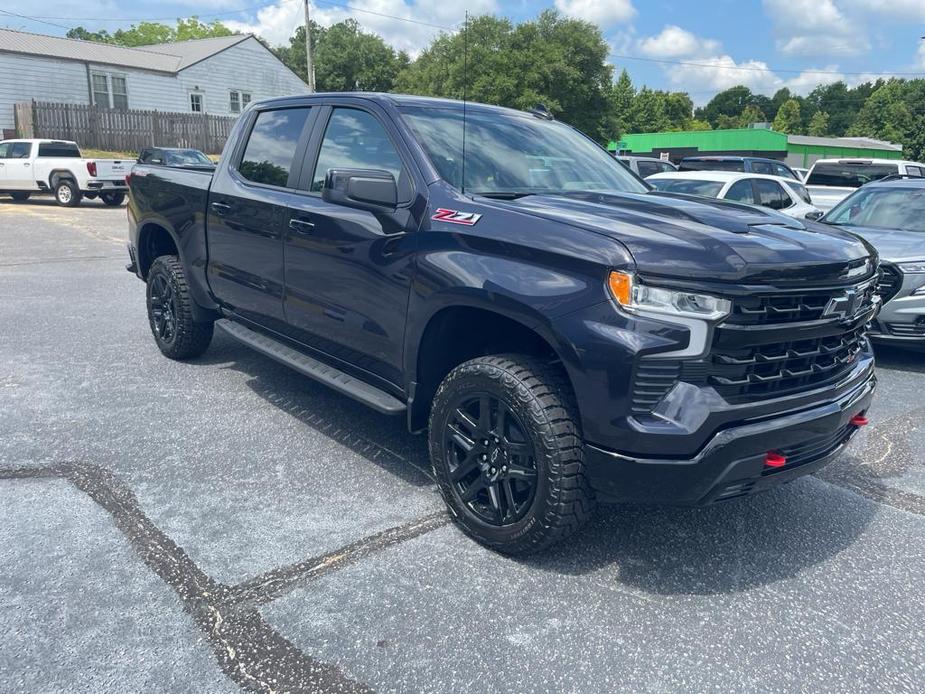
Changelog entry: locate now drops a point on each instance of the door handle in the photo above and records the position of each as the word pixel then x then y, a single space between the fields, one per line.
pixel 221 207
pixel 302 226
pixel 26 164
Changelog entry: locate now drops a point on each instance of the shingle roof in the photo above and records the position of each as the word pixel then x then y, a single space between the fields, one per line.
pixel 162 57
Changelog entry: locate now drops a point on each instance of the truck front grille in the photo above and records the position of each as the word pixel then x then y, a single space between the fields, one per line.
pixel 891 279
pixel 653 380
pixel 782 367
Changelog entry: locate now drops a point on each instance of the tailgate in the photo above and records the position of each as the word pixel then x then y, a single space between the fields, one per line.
pixel 112 169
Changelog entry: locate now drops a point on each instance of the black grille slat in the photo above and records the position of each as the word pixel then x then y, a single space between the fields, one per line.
pixel 653 380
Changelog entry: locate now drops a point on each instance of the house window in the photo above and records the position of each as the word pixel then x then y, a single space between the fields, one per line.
pixel 195 102
pixel 109 90
pixel 238 100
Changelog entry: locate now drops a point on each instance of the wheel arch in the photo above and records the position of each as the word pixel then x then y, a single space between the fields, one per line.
pixel 57 175
pixel 155 240
pixel 456 333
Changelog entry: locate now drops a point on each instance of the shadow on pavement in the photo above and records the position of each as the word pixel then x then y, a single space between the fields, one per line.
pixel 900 358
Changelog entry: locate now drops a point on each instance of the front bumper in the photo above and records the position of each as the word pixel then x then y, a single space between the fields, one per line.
pixel 732 463
pixel 901 319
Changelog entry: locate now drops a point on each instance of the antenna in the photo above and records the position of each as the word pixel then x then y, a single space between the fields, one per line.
pixel 465 97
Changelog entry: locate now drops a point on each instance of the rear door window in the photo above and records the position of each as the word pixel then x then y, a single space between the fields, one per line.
pixel 781 170
pixel 915 171
pixel 772 195
pixel 741 191
pixel 272 145
pixel 848 174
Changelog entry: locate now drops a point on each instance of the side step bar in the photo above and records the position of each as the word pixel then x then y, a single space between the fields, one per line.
pixel 330 376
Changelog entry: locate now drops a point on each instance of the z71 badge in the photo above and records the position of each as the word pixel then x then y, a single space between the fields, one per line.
pixel 456 217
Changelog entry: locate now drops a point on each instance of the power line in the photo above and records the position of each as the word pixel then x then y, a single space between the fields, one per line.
pixel 35 19
pixel 766 69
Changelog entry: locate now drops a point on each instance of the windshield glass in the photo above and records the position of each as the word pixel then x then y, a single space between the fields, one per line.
pixel 709 189
pixel 187 157
pixel 848 174
pixel 712 165
pixel 801 191
pixel 515 154
pixel 882 208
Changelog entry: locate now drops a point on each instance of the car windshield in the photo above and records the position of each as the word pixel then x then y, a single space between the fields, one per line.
pixel 708 189
pixel 510 154
pixel 849 174
pixel 188 157
pixel 712 165
pixel 882 208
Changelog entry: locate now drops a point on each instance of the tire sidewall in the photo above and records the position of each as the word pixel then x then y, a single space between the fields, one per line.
pixel 74 199
pixel 503 385
pixel 112 199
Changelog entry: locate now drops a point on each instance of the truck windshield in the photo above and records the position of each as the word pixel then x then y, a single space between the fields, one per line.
pixel 882 208
pixel 515 155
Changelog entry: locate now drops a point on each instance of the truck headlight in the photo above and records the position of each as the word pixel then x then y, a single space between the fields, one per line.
pixel 635 296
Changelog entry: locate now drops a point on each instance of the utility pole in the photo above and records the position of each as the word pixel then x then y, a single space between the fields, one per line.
pixel 309 63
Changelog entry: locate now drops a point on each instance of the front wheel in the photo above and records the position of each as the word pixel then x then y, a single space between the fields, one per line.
pixel 20 197
pixel 67 194
pixel 112 199
pixel 170 311
pixel 506 449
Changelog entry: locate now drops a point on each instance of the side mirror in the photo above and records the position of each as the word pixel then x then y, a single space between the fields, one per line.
pixel 815 215
pixel 365 189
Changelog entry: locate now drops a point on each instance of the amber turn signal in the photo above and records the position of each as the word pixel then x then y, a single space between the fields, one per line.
pixel 621 286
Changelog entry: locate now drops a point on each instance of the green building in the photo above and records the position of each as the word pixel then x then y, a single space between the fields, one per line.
pixel 795 150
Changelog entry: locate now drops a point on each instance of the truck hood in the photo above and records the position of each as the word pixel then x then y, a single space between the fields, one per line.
pixel 894 245
pixel 683 237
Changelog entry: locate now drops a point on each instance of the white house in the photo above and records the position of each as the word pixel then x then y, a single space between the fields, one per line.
pixel 218 76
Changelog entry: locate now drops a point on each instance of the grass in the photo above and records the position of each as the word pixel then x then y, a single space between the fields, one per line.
pixel 105 154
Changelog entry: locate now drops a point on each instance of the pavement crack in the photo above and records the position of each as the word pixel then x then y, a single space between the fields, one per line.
pixel 249 651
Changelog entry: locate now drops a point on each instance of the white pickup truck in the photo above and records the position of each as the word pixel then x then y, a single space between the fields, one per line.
pixel 30 167
pixel 830 181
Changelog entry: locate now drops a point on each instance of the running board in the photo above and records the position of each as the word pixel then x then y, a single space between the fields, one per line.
pixel 334 378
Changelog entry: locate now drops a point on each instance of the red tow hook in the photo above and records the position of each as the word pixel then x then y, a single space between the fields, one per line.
pixel 773 459
pixel 860 420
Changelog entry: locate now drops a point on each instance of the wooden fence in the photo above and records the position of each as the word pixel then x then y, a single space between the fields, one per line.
pixel 93 127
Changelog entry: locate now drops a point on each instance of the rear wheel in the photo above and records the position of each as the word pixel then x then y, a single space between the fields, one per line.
pixel 67 193
pixel 20 197
pixel 112 199
pixel 505 446
pixel 170 311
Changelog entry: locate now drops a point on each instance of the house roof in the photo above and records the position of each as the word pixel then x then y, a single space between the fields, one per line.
pixel 161 57
pixel 853 142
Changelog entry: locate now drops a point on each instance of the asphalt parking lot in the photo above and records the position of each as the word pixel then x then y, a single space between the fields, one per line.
pixel 225 523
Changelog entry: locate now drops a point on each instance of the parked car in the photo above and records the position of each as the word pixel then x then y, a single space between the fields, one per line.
pixel 768 167
pixel 832 180
pixel 781 194
pixel 646 166
pixel 890 214
pixel 30 167
pixel 563 334
pixel 175 156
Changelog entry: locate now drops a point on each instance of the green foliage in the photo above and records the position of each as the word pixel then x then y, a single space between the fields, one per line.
pixel 819 124
pixel 751 114
pixel 346 58
pixel 788 119
pixel 895 111
pixel 148 33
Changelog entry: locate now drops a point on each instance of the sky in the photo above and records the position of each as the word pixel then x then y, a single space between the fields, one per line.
pixel 697 46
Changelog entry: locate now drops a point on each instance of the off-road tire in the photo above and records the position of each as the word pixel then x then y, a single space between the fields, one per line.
pixel 67 194
pixel 539 395
pixel 20 197
pixel 112 199
pixel 190 338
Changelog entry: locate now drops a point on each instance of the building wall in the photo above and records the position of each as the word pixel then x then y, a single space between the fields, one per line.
pixel 246 67
pixel 740 140
pixel 805 155
pixel 24 78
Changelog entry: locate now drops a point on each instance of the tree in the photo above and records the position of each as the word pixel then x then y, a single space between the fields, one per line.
pixel 819 124
pixel 751 114
pixel 730 103
pixel 621 103
pixel 149 33
pixel 788 118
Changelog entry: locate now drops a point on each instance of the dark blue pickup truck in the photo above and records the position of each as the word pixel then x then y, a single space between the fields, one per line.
pixel 563 333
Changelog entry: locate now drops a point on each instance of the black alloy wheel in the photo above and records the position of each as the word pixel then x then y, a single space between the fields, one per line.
pixel 163 303
pixel 491 459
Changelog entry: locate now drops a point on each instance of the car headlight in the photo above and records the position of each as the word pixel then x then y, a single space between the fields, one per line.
pixel 912 268
pixel 635 296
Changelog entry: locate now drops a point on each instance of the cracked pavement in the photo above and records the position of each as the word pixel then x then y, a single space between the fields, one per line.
pixel 226 524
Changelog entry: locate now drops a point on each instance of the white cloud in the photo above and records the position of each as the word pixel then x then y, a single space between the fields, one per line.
pixel 277 23
pixel 604 13
pixel 815 27
pixel 675 42
pixel 894 9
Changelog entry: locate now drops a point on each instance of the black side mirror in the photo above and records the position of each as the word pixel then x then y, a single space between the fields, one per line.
pixel 365 189
pixel 814 216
